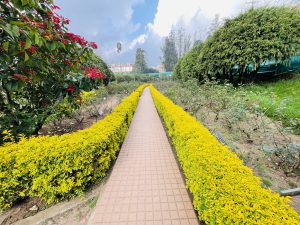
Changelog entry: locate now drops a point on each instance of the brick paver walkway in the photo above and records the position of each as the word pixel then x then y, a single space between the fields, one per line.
pixel 145 186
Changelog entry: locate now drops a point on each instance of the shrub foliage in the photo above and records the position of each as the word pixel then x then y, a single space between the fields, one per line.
pixel 188 67
pixel 57 167
pixel 237 50
pixel 224 190
pixel 41 63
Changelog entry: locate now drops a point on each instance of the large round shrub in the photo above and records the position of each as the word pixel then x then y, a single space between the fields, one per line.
pixel 187 67
pixel 243 44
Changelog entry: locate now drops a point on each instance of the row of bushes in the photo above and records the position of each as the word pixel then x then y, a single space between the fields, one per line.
pixel 131 77
pixel 57 167
pixel 224 190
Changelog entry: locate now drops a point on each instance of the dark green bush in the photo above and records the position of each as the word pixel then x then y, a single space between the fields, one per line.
pixel 187 67
pixel 237 50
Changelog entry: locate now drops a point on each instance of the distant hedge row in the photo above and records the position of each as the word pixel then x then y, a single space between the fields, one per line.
pixel 238 49
pixel 224 190
pixel 57 167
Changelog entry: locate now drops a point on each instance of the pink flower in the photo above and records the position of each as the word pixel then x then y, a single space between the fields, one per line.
pixel 56 7
pixel 67 21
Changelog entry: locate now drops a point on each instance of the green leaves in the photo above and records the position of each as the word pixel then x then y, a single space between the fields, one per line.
pixel 26 57
pixel 37 39
pixel 28 43
pixel 37 57
pixel 24 2
pixel 53 46
pixel 12 30
pixel 5 46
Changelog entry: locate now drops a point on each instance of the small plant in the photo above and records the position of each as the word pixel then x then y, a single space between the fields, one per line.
pixel 266 183
pixel 288 159
pixel 92 202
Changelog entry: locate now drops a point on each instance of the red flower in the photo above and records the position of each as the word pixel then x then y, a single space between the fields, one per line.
pixel 22 43
pixel 21 77
pixel 94 73
pixel 26 19
pixel 55 20
pixel 64 41
pixel 67 62
pixel 76 38
pixel 56 7
pixel 83 42
pixel 94 45
pixel 70 88
pixel 32 49
pixel 67 21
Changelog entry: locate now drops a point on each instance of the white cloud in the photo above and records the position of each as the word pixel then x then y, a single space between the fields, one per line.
pixel 138 41
pixel 171 12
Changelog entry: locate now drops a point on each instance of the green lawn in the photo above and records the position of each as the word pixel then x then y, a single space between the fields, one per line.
pixel 280 100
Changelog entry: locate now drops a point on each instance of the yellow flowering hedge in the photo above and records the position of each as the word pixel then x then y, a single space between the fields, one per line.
pixel 224 190
pixel 88 96
pixel 56 167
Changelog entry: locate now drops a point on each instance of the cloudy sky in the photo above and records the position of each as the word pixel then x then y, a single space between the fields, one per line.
pixel 144 23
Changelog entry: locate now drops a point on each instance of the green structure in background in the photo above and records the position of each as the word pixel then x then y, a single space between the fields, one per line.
pixel 275 68
pixel 163 74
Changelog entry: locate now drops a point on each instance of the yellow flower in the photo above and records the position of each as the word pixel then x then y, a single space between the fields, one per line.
pixel 224 190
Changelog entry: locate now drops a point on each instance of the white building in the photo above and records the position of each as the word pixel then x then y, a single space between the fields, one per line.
pixel 161 68
pixel 121 68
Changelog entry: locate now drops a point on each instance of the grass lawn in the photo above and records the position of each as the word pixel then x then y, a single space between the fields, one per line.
pixel 280 99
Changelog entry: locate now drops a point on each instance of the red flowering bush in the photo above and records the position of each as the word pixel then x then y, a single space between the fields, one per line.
pixel 94 73
pixel 41 62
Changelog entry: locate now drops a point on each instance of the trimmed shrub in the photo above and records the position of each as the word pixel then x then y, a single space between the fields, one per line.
pixel 224 190
pixel 57 167
pixel 187 67
pixel 237 50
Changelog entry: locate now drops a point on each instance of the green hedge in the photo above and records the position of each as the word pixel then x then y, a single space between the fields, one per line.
pixel 57 167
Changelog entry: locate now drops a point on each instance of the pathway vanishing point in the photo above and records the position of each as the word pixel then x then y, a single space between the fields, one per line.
pixel 145 186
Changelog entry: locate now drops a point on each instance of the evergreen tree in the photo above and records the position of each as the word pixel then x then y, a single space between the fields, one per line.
pixel 182 42
pixel 169 53
pixel 140 64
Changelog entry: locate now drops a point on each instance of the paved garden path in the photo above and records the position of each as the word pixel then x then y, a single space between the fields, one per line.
pixel 146 186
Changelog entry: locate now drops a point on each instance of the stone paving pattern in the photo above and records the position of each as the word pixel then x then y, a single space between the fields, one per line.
pixel 145 186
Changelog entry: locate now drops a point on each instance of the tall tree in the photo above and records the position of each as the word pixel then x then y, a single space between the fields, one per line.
pixel 140 64
pixel 169 53
pixel 215 24
pixel 180 34
pixel 182 41
pixel 187 43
